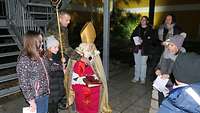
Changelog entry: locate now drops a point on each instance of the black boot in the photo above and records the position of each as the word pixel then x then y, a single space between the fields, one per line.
pixel 62 103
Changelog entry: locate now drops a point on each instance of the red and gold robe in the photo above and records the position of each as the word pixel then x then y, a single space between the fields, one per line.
pixel 86 98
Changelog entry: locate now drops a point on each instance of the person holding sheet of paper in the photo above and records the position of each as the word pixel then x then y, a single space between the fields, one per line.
pixel 165 65
pixel 185 96
pixel 142 38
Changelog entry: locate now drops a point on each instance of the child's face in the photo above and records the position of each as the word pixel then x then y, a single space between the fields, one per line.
pixel 54 49
pixel 172 48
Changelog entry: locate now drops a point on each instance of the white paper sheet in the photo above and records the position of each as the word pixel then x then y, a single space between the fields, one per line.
pixel 160 85
pixel 137 40
pixel 27 110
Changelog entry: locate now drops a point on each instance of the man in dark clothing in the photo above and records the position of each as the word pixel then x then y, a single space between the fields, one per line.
pixel 64 18
pixel 185 97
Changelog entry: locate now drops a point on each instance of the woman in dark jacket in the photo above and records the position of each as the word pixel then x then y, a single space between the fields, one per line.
pixel 142 38
pixel 56 74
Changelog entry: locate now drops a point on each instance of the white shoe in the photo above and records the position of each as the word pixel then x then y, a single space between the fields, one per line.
pixel 142 82
pixel 134 81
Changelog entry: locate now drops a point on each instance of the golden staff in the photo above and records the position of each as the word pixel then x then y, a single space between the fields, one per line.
pixel 56 3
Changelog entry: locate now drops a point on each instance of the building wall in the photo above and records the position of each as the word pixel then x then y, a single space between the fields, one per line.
pixel 187 13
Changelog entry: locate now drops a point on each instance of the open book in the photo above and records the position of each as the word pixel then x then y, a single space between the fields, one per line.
pixel 90 81
pixel 93 84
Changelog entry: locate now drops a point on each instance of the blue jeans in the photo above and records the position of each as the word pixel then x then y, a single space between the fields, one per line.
pixel 140 66
pixel 42 104
pixel 167 107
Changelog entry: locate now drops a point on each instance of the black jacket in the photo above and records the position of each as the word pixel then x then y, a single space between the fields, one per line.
pixel 56 80
pixel 147 35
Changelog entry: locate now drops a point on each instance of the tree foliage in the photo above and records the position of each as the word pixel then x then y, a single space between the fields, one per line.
pixel 123 23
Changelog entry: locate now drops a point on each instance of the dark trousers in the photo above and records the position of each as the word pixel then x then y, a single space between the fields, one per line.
pixel 160 97
pixel 53 107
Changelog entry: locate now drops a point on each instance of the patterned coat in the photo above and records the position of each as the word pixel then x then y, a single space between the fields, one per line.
pixel 33 79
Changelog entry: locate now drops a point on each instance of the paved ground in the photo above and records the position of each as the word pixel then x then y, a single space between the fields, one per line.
pixel 125 97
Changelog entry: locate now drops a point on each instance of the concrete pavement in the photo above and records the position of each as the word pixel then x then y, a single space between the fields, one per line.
pixel 124 96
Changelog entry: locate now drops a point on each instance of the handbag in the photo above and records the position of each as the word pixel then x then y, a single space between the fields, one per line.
pixel 27 110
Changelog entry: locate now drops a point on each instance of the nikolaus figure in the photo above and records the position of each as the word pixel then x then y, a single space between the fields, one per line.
pixel 88 67
pixel 86 97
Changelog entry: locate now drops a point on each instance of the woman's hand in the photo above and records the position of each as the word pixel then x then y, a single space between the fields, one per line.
pixel 32 105
pixel 158 72
pixel 165 76
pixel 64 70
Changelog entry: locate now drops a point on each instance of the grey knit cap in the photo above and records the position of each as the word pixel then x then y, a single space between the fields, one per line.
pixel 177 40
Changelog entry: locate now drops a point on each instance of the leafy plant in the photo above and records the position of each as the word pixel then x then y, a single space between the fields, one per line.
pixel 122 24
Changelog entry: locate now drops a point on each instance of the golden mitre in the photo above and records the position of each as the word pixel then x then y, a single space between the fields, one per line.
pixel 88 33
